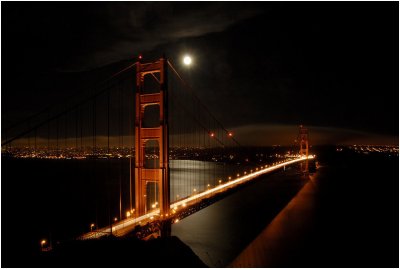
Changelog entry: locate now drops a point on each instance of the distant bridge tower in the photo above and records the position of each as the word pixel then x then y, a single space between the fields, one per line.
pixel 303 142
pixel 151 91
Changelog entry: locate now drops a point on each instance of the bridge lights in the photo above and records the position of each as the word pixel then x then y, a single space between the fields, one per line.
pixel 128 214
pixel 229 178
pixel 43 243
pixel 115 219
pixel 212 134
pixel 91 227
pixel 230 134
pixel 220 181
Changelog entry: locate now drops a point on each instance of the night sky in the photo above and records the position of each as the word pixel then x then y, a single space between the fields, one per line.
pixel 262 68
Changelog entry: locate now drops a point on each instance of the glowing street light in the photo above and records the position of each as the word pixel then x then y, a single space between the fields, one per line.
pixel 91 227
pixel 230 134
pixel 43 243
pixel 187 60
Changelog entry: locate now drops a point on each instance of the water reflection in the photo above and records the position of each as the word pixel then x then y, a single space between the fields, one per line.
pixel 190 175
pixel 288 229
pixel 218 233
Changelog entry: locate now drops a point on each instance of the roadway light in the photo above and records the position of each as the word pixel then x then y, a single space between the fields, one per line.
pixel 91 226
pixel 128 214
pixel 187 60
pixel 230 134
pixel 43 242
pixel 212 134
pixel 115 219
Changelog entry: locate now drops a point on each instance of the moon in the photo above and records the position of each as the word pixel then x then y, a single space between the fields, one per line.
pixel 187 60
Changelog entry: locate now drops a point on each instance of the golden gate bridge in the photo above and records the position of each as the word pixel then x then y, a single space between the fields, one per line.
pixel 176 156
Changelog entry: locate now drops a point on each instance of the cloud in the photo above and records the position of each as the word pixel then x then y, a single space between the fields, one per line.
pixel 270 134
pixel 128 28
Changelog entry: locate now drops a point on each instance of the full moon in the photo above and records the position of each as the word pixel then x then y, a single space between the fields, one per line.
pixel 187 60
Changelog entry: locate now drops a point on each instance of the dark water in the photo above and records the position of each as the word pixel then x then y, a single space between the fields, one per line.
pixel 57 200
pixel 219 232
pixel 354 224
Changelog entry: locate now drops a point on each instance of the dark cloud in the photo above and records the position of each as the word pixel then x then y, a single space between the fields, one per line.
pixel 258 63
pixel 270 134
pixel 103 33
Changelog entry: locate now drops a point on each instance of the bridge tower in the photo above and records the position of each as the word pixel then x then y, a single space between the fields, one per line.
pixel 156 73
pixel 303 142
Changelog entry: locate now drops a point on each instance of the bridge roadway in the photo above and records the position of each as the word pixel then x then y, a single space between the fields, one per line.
pixel 125 226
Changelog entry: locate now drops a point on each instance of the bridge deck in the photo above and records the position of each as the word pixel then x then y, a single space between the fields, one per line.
pixel 125 226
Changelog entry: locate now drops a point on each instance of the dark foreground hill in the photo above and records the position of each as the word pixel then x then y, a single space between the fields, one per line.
pixel 120 252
